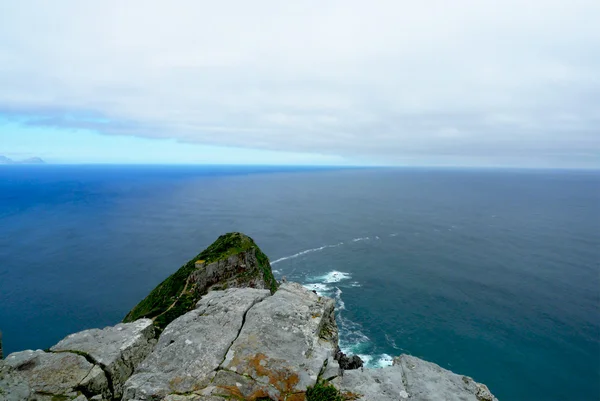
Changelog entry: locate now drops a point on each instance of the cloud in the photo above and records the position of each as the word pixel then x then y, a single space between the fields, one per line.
pixel 498 82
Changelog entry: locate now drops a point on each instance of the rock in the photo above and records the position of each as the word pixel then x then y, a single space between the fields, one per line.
pixel 374 384
pixel 193 346
pixel 1 345
pixel 13 386
pixel 428 381
pixel 411 379
pixel 284 343
pixel 233 260
pixel 348 363
pixel 117 350
pixel 54 374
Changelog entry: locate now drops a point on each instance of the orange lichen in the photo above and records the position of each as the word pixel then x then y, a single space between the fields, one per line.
pixel 283 379
pixel 234 391
pixel 350 396
pixel 296 397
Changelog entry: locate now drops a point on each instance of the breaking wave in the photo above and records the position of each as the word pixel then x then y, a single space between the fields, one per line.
pixel 352 339
pixel 305 252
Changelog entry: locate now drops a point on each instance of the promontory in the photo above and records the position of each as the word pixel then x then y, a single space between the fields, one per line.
pixel 222 328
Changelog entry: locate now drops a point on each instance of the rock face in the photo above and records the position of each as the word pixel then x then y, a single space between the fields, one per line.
pixel 233 260
pixel 85 364
pixel 283 345
pixel 40 375
pixel 220 343
pixel 118 350
pixel 411 379
pixel 192 347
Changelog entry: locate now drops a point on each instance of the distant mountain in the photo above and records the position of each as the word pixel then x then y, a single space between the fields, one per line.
pixel 31 160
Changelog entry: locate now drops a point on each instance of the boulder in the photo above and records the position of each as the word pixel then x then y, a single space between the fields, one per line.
pixel 117 350
pixel 52 375
pixel 193 346
pixel 348 362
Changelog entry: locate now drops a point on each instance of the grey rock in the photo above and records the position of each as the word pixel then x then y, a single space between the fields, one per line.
pixel 331 370
pixel 411 379
pixel 374 384
pixel 192 347
pixel 13 386
pixel 240 271
pixel 61 374
pixel 229 385
pixel 426 381
pixel 285 341
pixel 118 350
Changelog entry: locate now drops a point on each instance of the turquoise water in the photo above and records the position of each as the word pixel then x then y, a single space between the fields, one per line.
pixel 491 273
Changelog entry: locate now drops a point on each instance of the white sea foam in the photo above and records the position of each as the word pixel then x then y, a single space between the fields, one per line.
pixel 360 239
pixel 321 289
pixel 338 300
pixel 334 277
pixel 301 253
pixel 355 284
pixel 383 360
pixel 367 359
pixel 394 235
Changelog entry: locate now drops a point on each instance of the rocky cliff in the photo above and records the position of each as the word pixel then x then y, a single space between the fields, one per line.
pixel 228 334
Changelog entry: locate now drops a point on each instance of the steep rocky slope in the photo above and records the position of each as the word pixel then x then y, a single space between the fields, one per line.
pixel 233 260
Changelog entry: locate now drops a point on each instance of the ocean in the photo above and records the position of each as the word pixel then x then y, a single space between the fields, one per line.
pixel 494 274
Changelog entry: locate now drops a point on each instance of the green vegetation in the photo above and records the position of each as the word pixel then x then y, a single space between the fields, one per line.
pixel 323 391
pixel 169 301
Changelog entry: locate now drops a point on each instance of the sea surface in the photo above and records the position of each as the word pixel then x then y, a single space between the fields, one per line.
pixel 494 274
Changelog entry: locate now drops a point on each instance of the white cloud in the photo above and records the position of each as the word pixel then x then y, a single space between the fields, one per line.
pixel 382 80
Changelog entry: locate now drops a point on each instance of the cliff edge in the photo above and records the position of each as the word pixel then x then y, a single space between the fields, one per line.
pixel 228 334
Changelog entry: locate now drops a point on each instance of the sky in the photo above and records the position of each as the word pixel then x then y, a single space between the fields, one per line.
pixel 328 82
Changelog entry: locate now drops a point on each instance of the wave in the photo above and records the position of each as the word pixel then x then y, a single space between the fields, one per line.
pixel 305 252
pixel 321 289
pixel 333 277
pixel 302 253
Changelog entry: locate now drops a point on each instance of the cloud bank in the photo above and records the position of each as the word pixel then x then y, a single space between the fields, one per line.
pixel 397 82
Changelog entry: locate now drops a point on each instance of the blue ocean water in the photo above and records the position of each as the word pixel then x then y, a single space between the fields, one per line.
pixel 493 274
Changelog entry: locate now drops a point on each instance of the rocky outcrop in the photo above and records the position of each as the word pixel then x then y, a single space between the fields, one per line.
pixel 233 260
pixel 117 350
pixel 283 345
pixel 348 362
pixel 411 379
pixel 192 347
pixel 41 375
pixel 83 365
pixel 221 343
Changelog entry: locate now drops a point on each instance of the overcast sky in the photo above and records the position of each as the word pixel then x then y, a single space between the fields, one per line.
pixel 464 83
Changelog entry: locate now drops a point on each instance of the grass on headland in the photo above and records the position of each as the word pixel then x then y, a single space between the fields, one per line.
pixel 166 293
